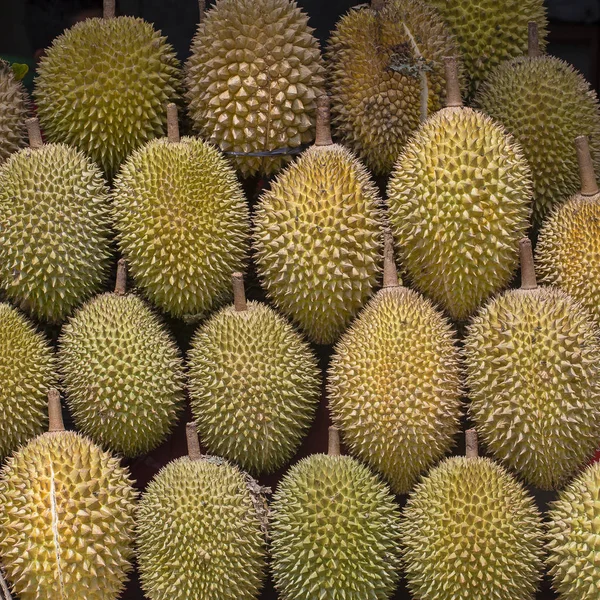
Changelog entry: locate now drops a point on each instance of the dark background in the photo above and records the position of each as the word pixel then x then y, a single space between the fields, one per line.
pixel 26 27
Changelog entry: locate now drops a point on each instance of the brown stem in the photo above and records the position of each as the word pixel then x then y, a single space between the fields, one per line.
pixel 533 44
pixel 377 4
pixel 334 441
pixel 34 133
pixel 109 9
pixel 239 294
pixel 390 273
pixel 193 443
pixel 472 444
pixel 121 282
pixel 202 9
pixel 453 97
pixel 172 123
pixel 54 412
pixel 589 186
pixel 528 280
pixel 323 135
pixel 4 587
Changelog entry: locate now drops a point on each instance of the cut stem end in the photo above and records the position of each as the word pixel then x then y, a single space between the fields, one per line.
pixel 533 40
pixel 121 282
pixel 55 420
pixel 528 279
pixel 453 96
pixel 201 9
pixel 193 443
pixel 172 123
pixel 323 133
pixel 377 4
pixel 471 443
pixel 390 273
pixel 589 185
pixel 109 9
pixel 239 293
pixel 34 133
pixel 334 442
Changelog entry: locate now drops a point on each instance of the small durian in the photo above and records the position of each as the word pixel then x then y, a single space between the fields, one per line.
pixel 182 222
pixel 201 530
pixel 66 517
pixel 54 239
pixel 14 107
pixel 532 360
pixel 121 371
pixel 254 384
pixel 470 531
pixel 394 383
pixel 102 86
pixel 334 530
pixel 318 237
pixel 545 103
pixel 459 201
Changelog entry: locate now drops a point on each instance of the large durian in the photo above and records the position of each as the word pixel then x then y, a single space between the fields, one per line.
pixel 394 383
pixel 254 384
pixel 201 527
pixel 103 84
pixel 182 222
pixel 318 237
pixel 460 193
pixel 533 371
pixel 54 239
pixel 386 73
pixel 252 78
pixel 122 372
pixel 334 531
pixel 13 112
pixel 66 517
pixel 545 103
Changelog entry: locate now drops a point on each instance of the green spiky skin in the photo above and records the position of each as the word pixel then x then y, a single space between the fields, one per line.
pixel 334 532
pixel 103 87
pixel 182 223
pixel 252 78
pixel 489 32
pixel 545 103
pixel 470 531
pixel 460 193
pixel 573 543
pixel 375 61
pixel 13 112
pixel 200 535
pixel 394 386
pixel 66 520
pixel 54 241
pixel 533 371
pixel 27 372
pixel 122 373
pixel 254 387
pixel 317 239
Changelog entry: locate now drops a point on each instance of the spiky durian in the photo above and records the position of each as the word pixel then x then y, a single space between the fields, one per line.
pixel 533 371
pixel 27 372
pixel 201 531
pixel 182 222
pixel 252 78
pixel 386 73
pixel 460 193
pixel 254 384
pixel 334 531
pixel 13 112
pixel 103 84
pixel 54 239
pixel 317 237
pixel 394 383
pixel 66 517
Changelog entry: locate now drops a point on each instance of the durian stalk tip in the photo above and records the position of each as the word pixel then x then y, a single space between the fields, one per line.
pixel 390 273
pixel 193 443
pixel 471 443
pixel 377 4
pixel 589 185
pixel 453 96
pixel 34 133
pixel 109 9
pixel 528 280
pixel 323 133
pixel 121 282
pixel 172 123
pixel 55 420
pixel 201 8
pixel 239 293
pixel 533 43
pixel 334 442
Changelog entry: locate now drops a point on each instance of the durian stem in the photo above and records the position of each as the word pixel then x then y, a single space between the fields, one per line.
pixel 323 134
pixel 528 280
pixel 239 293
pixel 54 412
pixel 453 96
pixel 334 442
pixel 202 9
pixel 121 282
pixel 34 133
pixel 589 186
pixel 390 273
pixel 109 9
pixel 377 4
pixel 193 443
pixel 471 444
pixel 172 123
pixel 4 587
pixel 533 45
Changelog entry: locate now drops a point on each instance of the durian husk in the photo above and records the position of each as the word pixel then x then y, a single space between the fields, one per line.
pixel 14 108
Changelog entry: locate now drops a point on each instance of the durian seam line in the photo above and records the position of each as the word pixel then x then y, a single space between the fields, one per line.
pixel 422 74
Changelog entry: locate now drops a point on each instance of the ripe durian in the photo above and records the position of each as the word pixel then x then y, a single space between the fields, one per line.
pixel 460 193
pixel 254 384
pixel 27 372
pixel 13 112
pixel 122 372
pixel 334 531
pixel 386 74
pixel 182 222
pixel 394 383
pixel 201 527
pixel 533 371
pixel 252 78
pixel 54 240
pixel 470 531
pixel 545 103
pixel 318 237
pixel 66 517
pixel 103 84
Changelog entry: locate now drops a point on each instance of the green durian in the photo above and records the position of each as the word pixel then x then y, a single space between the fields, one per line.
pixel 14 107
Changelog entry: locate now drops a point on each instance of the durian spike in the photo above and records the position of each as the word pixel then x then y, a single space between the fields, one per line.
pixel 390 273
pixel 528 280
pixel 239 293
pixel 172 123
pixel 201 9
pixel 193 443
pixel 471 443
pixel 589 185
pixel 334 442
pixel 109 9
pixel 121 282
pixel 533 45
pixel 377 4
pixel 323 135
pixel 453 96
pixel 55 420
pixel 5 590
pixel 34 133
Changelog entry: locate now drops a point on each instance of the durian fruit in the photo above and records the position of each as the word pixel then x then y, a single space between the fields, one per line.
pixel 460 194
pixel 201 531
pixel 394 383
pixel 545 103
pixel 13 112
pixel 182 222
pixel 103 84
pixel 252 78
pixel 318 237
pixel 573 545
pixel 532 361
pixel 334 531
pixel 254 384
pixel 122 372
pixel 386 73
pixel 27 372
pixel 54 239
pixel 66 517
pixel 470 531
